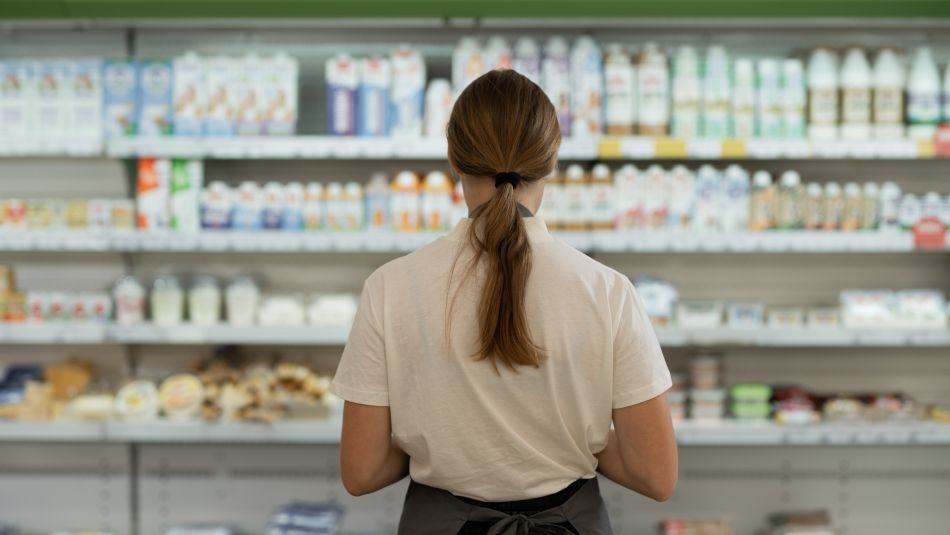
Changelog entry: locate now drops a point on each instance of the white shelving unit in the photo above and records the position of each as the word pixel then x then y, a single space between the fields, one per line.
pixel 393 242
pixel 726 433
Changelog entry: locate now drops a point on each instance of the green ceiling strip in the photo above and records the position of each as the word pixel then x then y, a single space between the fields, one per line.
pixel 243 9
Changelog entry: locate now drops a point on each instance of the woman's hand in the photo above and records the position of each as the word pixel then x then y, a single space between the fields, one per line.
pixel 641 450
pixel 369 461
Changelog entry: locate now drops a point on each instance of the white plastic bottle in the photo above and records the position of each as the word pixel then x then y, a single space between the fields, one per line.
pixel 932 205
pixel 686 93
pixel 602 198
pixel 627 189
pixel 853 212
pixel 438 108
pixel 620 88
pixel 923 95
pixel 872 206
pixel 353 206
pixel 377 202
pixel 790 201
pixel 587 97
pixel 794 98
pixel 656 204
pixel 762 205
pixel 526 59
pixel 888 97
pixel 834 206
pixel 682 198
pixel 556 80
pixel 855 95
pixel 708 199
pixel 822 95
pixel 813 215
pixel 436 201
pixel 653 92
pixel 743 99
pixel 768 104
pixel 910 211
pixel 467 63
pixel 735 208
pixel 497 53
pixel 717 88
pixel 890 207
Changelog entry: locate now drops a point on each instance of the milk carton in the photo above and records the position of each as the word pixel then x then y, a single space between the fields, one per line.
pixel 653 92
pixel 556 81
pixel 186 184
pixel 247 107
pixel 189 94
pixel 404 202
pixel 15 104
pixel 717 88
pixel 155 98
pixel 438 108
pixel 292 216
pixel 377 202
pixel 497 53
pixel 409 83
pixel 436 201
pixel 314 206
pixel 353 214
pixel 217 203
pixel 686 93
pixel 708 199
pixel 527 59
pixel 682 198
pixel 587 72
pixel 152 200
pixel 629 204
pixel 656 201
pixel 119 100
pixel 734 216
pixel 602 198
pixel 373 105
pixel 248 207
pixel 336 207
pixel 273 205
pixel 621 97
pixel 50 105
pixel 277 90
pixel 220 75
pixel 467 63
pixel 342 83
pixel 85 109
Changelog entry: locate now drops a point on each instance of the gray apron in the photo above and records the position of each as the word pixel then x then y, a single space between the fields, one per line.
pixel 432 511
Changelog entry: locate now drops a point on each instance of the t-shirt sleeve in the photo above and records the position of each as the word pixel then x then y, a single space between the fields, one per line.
pixel 361 376
pixel 640 371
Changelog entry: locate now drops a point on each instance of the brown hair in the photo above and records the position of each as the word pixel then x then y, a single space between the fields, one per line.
pixel 503 123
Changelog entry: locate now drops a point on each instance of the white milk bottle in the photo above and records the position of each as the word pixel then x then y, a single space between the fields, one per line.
pixel 872 206
pixel 576 203
pixel 909 211
pixel 656 204
pixel 932 205
pixel 527 59
pixel 888 97
pixel 890 207
pixel 497 53
pixel 708 199
pixel 438 108
pixel 404 202
pixel 436 201
pixel 762 206
pixel 587 72
pixel 467 63
pixel 736 199
pixel 627 186
pixel 682 198
pixel 813 215
pixel 602 197
pixel 768 104
pixel 923 95
pixel 794 98
pixel 686 93
pixel 855 95
pixel 407 93
pixel 620 84
pixel 653 92
pixel 717 88
pixel 335 206
pixel 377 202
pixel 743 99
pixel 556 80
pixel 822 95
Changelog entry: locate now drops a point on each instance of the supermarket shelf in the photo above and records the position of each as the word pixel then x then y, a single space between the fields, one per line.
pixel 606 148
pixel 393 242
pixel 94 333
pixel 328 432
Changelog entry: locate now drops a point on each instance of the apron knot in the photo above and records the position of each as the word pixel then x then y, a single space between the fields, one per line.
pixel 519 524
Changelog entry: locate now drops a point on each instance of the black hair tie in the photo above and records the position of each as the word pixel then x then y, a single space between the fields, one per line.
pixel 508 178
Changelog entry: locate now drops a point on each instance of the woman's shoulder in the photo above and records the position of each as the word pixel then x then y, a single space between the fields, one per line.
pixel 562 257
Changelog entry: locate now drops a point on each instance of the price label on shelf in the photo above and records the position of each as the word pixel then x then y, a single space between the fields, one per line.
pixel 734 149
pixel 669 148
pixel 609 148
pixel 926 149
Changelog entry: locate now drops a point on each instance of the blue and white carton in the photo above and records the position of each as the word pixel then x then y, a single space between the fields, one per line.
pixel 119 98
pixel 375 80
pixel 155 98
pixel 189 95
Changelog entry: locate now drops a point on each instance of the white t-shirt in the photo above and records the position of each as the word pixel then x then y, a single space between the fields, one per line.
pixel 511 436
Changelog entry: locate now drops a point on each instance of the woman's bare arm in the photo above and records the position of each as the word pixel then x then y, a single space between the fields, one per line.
pixel 369 461
pixel 641 451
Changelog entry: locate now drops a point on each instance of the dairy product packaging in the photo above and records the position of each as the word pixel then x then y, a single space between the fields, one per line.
pixel 436 201
pixel 119 99
pixel 890 199
pixel 408 93
pixel 587 74
pixel 342 83
pixel 575 205
pixel 277 91
pixel 438 107
pixel 708 195
pixel 855 95
pixel 872 206
pixel 497 53
pixel 353 206
pixel 789 213
pixel 813 213
pixel 335 206
pixel 247 100
pixel 833 206
pixel 467 63
pixel 377 202
pixel 152 193
pixel 190 96
pixel 292 214
pixel 375 77
pixel 620 91
pixel 602 198
pixel 923 95
pixel 686 93
pixel 273 205
pixel 85 121
pixel 653 92
pixel 404 202
pixel 217 202
pixel 853 214
pixel 628 191
pixel 735 201
pixel 793 99
pixel 16 102
pixel 657 197
pixel 248 211
pixel 526 59
pixel 743 99
pixel 186 183
pixel 220 74
pixel 556 81
pixel 887 108
pixel 50 105
pixel 155 92
pixel 822 95
pixel 768 104
pixel 682 198
pixel 946 94
pixel 314 206
pixel 717 89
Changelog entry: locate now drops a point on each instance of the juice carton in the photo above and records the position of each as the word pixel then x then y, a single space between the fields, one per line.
pixel 404 202
pixel 189 95
pixel 220 74
pixel 277 90
pixel 409 84
pixel 152 199
pixel 187 181
pixel 373 105
pixel 436 201
pixel 342 82
pixel 602 198
pixel 119 98
pixel 653 92
pixel 336 209
pixel 155 98
pixel 16 103
pixel 627 184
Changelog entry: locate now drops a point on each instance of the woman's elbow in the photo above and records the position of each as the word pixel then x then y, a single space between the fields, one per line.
pixel 661 489
pixel 357 484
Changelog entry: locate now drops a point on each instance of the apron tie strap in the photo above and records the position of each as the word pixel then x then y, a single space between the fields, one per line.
pixel 526 525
